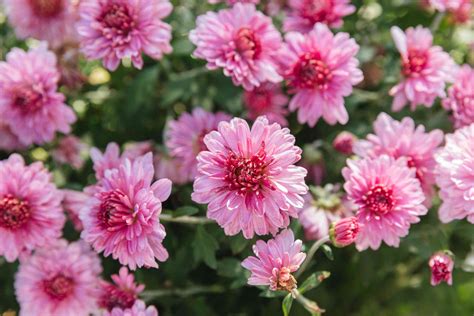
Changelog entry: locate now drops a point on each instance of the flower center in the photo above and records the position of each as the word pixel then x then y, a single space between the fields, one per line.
pixel 379 200
pixel 310 72
pixel 46 8
pixel 247 44
pixel 440 270
pixel 59 287
pixel 415 63
pixel 13 212
pixel 282 280
pixel 316 10
pixel 27 99
pixel 116 297
pixel 113 211
pixel 116 18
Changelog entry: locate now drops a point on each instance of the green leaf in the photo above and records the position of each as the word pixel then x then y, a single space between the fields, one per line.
pixel 271 294
pixel 327 251
pixel 205 246
pixel 229 267
pixel 185 211
pixel 238 244
pixel 313 281
pixel 286 304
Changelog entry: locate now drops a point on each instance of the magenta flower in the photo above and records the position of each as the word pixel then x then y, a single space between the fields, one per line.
pixel 344 232
pixel 184 137
pixel 404 139
pixel 275 261
pixel 320 69
pixel 441 265
pixel 29 102
pixel 138 309
pixel 62 279
pixel 344 143
pixel 49 20
pixel 8 140
pixel 111 30
pixel 123 293
pixel 167 167
pixel 73 202
pixel 122 215
pixel 245 46
pixel 110 159
pixel 305 14
pixel 248 177
pixel 30 207
pixel 454 176
pixel 460 99
pixel 268 100
pixel 389 198
pixel 425 68
pixel 70 151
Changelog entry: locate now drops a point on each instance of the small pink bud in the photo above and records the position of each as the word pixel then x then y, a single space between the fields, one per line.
pixel 441 264
pixel 344 232
pixel 344 142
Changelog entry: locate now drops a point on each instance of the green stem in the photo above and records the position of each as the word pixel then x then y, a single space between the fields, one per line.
pixel 185 219
pixel 310 255
pixel 437 22
pixel 309 305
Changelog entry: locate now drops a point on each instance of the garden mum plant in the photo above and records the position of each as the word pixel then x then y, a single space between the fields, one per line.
pixel 258 157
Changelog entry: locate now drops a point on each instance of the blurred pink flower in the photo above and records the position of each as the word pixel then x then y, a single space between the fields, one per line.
pixel 30 207
pixel 232 2
pixel 441 265
pixel 248 177
pixel 8 140
pixel 426 69
pixel 403 139
pixel 460 10
pixel 344 143
pixel 268 100
pixel 344 232
pixel 71 151
pixel 122 293
pixel 245 46
pixel 455 177
pixel 184 137
pixel 49 20
pixel 460 99
pixel 167 167
pixel 138 309
pixel 122 216
pixel 275 262
pixel 59 280
pixel 304 14
pixel 111 30
pixel 73 202
pixel 110 159
pixel 134 150
pixel 274 7
pixel 389 198
pixel 320 69
pixel 29 102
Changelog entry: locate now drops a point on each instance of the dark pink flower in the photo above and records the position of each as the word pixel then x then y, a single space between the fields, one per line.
pixel 344 232
pixel 441 264
pixel 460 99
pixel 268 100
pixel 344 142
pixel 122 293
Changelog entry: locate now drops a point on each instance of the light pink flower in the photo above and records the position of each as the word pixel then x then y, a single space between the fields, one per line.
pixel 59 280
pixel 425 69
pixel 73 202
pixel 138 309
pixel 122 293
pixel 245 46
pixel 460 10
pixel 122 216
pixel 248 177
pixel 344 143
pixel 30 207
pixel 389 198
pixel 455 176
pixel 49 20
pixel 275 262
pixel 460 99
pixel 71 151
pixel 441 265
pixel 304 14
pixel 443 5
pixel 8 140
pixel 344 232
pixel 268 100
pixel 404 139
pixel 110 159
pixel 232 2
pixel 320 69
pixel 167 167
pixel 29 101
pixel 274 7
pixel 184 137
pixel 134 150
pixel 111 30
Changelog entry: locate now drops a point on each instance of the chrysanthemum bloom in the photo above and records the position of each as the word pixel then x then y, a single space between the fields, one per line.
pixel 404 139
pixel 275 262
pixel 122 293
pixel 268 100
pixel 49 20
pixel 30 207
pixel 388 196
pixel 248 177
pixel 320 69
pixel 167 167
pixel 29 101
pixel 59 280
pixel 460 99
pixel 425 69
pixel 275 7
pixel 245 47
pixel 8 140
pixel 344 232
pixel 184 137
pixel 108 160
pixel 121 218
pixel 134 150
pixel 441 265
pixel 304 14
pixel 111 30
pixel 70 151
pixel 138 309
pixel 73 202
pixel 232 2
pixel 460 10
pixel 455 162
pixel 69 67
pixel 344 142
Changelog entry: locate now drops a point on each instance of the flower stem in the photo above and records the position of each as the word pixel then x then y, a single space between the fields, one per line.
pixel 436 22
pixel 309 305
pixel 310 254
pixel 185 219
pixel 149 295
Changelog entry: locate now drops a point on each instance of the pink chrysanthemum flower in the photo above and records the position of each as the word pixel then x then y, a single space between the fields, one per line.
pixel 111 30
pixel 184 137
pixel 388 196
pixel 454 176
pixel 304 14
pixel 248 177
pixel 404 139
pixel 30 207
pixel 134 150
pixel 460 10
pixel 121 217
pixel 29 101
pixel 460 99
pixel 110 159
pixel 268 100
pixel 73 202
pixel 49 20
pixel 232 2
pixel 425 68
pixel 344 232
pixel 320 69
pixel 275 262
pixel 245 47
pixel 274 7
pixel 138 309
pixel 59 280
pixel 344 143
pixel 122 293
pixel 8 140
pixel 441 265
pixel 167 167
pixel 71 151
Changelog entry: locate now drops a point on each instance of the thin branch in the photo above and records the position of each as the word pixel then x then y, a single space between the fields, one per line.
pixel 437 22
pixel 309 305
pixel 193 220
pixel 310 255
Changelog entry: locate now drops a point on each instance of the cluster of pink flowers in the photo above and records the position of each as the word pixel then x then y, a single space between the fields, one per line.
pixel 460 10
pixel 460 99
